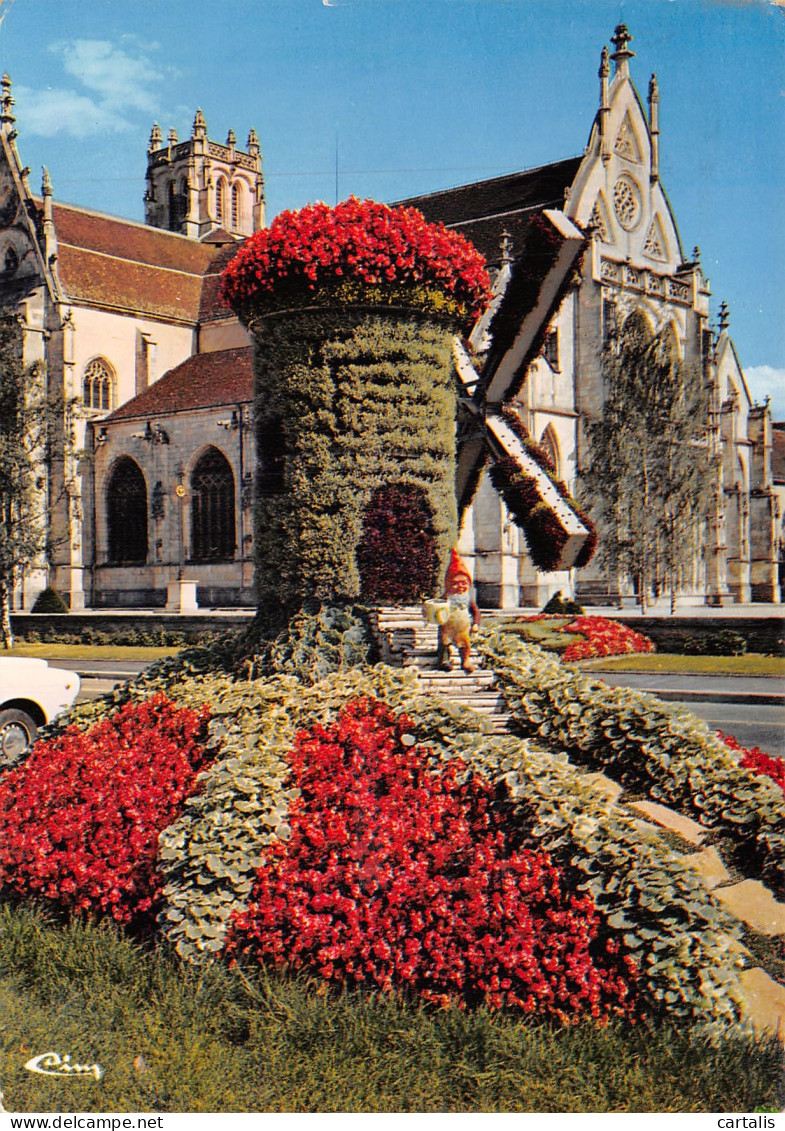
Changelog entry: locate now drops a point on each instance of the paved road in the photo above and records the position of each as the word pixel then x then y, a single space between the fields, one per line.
pixel 752 709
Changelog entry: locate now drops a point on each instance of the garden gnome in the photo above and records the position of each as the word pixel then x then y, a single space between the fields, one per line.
pixel 463 618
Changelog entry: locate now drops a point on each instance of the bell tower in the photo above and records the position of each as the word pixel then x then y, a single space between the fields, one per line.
pixel 197 186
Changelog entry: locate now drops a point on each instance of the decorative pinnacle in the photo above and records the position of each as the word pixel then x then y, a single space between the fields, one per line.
pixel 46 184
pixel 654 90
pixel 253 142
pixel 171 137
pixel 621 56
pixel 231 139
pixel 724 316
pixel 696 255
pixel 505 244
pixel 605 69
pixel 156 138
pixel 6 101
pixel 200 125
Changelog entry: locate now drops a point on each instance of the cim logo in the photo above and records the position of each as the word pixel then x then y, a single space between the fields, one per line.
pixel 52 1064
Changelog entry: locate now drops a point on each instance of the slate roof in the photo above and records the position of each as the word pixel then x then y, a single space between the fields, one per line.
pixel 121 265
pixel 483 210
pixel 206 380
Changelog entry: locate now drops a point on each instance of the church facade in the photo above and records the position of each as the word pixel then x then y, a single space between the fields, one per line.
pixel 125 317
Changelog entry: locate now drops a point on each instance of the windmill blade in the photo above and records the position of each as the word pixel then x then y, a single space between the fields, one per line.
pixel 502 441
pixel 508 366
pixel 482 432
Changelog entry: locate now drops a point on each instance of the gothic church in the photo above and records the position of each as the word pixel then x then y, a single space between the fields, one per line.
pixel 125 316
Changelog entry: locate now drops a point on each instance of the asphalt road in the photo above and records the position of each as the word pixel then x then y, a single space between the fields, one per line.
pixel 732 705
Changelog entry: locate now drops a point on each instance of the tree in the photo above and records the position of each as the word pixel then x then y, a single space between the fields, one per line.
pixel 35 442
pixel 649 470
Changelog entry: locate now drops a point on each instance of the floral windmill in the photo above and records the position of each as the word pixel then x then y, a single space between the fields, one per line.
pixel 355 311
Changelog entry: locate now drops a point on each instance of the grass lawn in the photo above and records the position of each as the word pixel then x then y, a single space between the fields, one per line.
pixel 90 652
pixel 175 1040
pixel 753 664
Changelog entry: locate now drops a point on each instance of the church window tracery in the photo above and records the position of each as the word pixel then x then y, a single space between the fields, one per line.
pixel 212 508
pixel 599 223
pixel 654 246
pixel 126 512
pixel 626 141
pixel 98 386
pixel 237 208
pixel 220 201
pixel 627 202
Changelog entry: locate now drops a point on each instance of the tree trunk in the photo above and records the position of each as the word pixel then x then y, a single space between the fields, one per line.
pixel 5 615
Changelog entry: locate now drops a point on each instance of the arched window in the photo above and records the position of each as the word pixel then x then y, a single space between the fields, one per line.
pixel 10 262
pixel 97 385
pixel 126 514
pixel 237 208
pixel 174 219
pixel 220 201
pixel 212 508
pixel 550 445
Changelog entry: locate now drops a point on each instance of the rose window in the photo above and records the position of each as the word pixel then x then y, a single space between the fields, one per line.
pixel 627 202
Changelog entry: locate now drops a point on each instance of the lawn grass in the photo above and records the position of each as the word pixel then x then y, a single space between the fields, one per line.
pixel 91 652
pixel 219 1040
pixel 752 664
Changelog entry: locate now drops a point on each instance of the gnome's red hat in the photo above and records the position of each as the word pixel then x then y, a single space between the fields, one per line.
pixel 455 569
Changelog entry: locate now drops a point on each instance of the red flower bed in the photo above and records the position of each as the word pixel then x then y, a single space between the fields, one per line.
pixel 754 759
pixel 357 241
pixel 79 820
pixel 400 878
pixel 603 638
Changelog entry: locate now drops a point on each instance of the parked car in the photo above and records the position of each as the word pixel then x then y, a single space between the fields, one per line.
pixel 31 694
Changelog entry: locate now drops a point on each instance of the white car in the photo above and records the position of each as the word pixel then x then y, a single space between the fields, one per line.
pixel 31 694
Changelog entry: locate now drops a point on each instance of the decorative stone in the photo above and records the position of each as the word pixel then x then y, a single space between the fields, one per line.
pixel 752 902
pixel 181 596
pixel 764 1001
pixel 712 870
pixel 689 830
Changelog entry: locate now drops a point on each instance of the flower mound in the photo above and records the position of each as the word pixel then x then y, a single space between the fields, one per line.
pixel 400 878
pixel 756 760
pixel 603 638
pixel 79 820
pixel 356 242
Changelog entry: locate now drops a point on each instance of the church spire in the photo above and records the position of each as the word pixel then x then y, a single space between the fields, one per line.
pixel 622 55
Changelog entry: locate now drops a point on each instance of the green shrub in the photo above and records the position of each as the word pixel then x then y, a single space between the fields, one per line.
pixel 646 745
pixel 561 606
pixel 49 601
pixel 723 643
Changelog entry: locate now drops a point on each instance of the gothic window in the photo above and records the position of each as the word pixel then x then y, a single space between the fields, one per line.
pixel 237 208
pixel 220 201
pixel 599 223
pixel 609 321
pixel 97 386
pixel 550 445
pixel 10 262
pixel 626 142
pixel 126 513
pixel 212 508
pixel 551 350
pixel 654 246
pixel 627 202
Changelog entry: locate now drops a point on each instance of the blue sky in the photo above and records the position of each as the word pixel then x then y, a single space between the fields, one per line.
pixel 409 96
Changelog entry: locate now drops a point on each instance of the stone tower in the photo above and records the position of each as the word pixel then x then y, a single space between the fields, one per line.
pixel 197 186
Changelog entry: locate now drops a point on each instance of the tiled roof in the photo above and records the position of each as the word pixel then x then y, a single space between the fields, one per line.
pixel 206 380
pixel 119 264
pixel 210 306
pixel 484 209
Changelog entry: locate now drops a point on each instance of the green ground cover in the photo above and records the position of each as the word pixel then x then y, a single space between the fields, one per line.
pixel 218 1040
pixel 748 665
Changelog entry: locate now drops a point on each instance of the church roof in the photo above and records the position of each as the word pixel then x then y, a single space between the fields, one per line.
pixel 121 265
pixel 206 380
pixel 483 210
